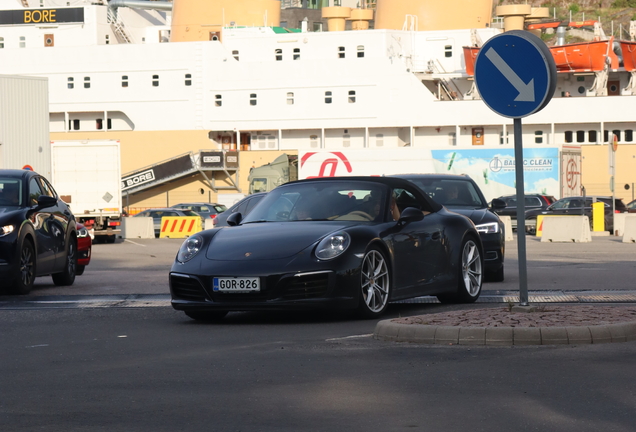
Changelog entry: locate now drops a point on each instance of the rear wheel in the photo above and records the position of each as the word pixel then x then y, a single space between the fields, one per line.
pixel 67 276
pixel 23 282
pixel 206 315
pixel 470 276
pixel 375 284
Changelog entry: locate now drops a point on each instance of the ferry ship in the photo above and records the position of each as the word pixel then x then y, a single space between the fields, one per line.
pixel 200 91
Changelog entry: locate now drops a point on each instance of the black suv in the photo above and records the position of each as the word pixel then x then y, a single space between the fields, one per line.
pixel 460 194
pixel 531 202
pixel 572 206
pixel 38 235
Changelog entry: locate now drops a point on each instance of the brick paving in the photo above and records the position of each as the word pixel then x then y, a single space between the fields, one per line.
pixel 545 316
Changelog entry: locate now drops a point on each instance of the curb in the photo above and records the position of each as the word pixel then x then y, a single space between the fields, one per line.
pixel 388 330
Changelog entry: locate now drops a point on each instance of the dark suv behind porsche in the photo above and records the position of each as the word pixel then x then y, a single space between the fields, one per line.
pixel 531 202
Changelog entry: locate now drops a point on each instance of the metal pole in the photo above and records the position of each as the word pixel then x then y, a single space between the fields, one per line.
pixel 521 215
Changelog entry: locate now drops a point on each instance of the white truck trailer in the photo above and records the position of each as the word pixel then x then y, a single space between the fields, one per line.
pixel 87 175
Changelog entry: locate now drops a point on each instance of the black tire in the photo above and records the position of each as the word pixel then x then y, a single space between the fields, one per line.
pixel 375 284
pixel 206 315
pixel 469 275
pixel 25 277
pixel 67 276
pixel 79 270
pixel 496 276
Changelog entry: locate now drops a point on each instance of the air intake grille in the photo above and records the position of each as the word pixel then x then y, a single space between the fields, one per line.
pixel 186 288
pixel 304 287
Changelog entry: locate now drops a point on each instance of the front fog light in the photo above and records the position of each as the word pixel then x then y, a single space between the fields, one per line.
pixel 189 249
pixel 332 246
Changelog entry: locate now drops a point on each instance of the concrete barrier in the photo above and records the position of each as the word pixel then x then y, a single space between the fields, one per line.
pixel 619 222
pixel 209 224
pixel 179 226
pixel 629 235
pixel 507 220
pixel 566 229
pixel 137 227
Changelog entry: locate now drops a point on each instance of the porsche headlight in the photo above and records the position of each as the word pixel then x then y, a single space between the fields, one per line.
pixel 189 248
pixel 82 232
pixel 7 229
pixel 488 228
pixel 333 246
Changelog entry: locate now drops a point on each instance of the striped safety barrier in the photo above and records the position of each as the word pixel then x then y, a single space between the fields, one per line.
pixel 179 226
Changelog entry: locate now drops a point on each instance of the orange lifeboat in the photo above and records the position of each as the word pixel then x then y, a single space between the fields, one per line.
pixel 470 55
pixel 629 55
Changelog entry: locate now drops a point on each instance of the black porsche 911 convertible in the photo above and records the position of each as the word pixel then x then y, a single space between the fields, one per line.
pixel 338 242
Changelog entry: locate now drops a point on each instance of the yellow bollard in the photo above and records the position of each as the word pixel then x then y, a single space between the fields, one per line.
pixel 598 216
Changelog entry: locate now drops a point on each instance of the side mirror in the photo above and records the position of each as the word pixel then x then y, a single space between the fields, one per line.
pixel 497 204
pixel 234 219
pixel 411 214
pixel 45 201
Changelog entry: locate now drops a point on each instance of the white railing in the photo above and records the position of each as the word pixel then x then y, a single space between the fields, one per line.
pixel 118 26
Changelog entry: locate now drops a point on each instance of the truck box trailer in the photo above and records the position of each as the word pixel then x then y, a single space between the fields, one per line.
pixel 87 175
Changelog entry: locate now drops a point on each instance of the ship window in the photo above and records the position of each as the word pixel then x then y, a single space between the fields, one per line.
pixel 581 90
pixel 313 141
pixel 218 100
pixel 188 79
pixel 360 51
pixel 629 135
pixel 87 82
pixel 327 97
pixel 99 124
pixel 352 96
pixel 296 53
pixel 70 83
pixel 379 140
pixel 279 54
pixel 22 42
pixel 271 142
pixel 74 124
pixel 618 135
pixel 253 99
pixel 109 124
pixel 346 140
pixel 580 136
pixel 1 42
pixel 606 136
pixel 448 51
pixel 235 53
pixel 341 52
pixel 317 26
pixel 124 80
pixel 452 138
pixel 538 137
pixel 290 98
pixel 568 136
pixel 501 138
pixel 107 40
pixel 591 136
pixel 155 80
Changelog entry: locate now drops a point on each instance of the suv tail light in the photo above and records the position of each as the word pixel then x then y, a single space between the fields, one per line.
pixel 213 216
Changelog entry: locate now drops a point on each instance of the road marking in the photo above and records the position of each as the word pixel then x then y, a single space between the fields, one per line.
pixel 138 244
pixel 350 337
pixel 526 91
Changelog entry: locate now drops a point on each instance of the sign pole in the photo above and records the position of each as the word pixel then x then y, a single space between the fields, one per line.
pixel 521 214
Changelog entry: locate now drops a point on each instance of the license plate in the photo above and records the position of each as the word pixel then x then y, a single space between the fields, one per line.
pixel 236 284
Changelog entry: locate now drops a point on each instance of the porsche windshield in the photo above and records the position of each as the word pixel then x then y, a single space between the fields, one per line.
pixel 321 200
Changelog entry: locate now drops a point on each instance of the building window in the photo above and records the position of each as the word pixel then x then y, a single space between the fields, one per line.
pixel 109 124
pixel 279 54
pixel 1 42
pixel 218 100
pixel 290 98
pixel 538 137
pixel 452 138
pixel 253 99
pixel 124 80
pixel 352 96
pixel 188 79
pixel 235 54
pixel 341 52
pixel 317 26
pixel 569 136
pixel 70 84
pixel 346 140
pixel 22 42
pixel 313 141
pixel 107 40
pixel 73 124
pixel 360 51
pixel 87 82
pixel 629 135
pixel 618 135
pixel 606 137
pixel 504 140
pixel 155 80
pixel 99 124
pixel 591 136
pixel 296 53
pixel 580 136
pixel 448 51
pixel 327 97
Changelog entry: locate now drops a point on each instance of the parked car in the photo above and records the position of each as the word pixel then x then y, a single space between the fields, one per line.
pixel 157 213
pixel 575 206
pixel 531 202
pixel 330 243
pixel 84 247
pixel 38 235
pixel 205 210
pixel 462 195
pixel 631 206
pixel 244 207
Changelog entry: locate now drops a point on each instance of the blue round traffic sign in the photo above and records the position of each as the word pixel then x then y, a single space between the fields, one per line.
pixel 515 74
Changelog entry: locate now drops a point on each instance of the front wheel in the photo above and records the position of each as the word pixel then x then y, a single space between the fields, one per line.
pixel 67 275
pixel 469 276
pixel 23 283
pixel 375 284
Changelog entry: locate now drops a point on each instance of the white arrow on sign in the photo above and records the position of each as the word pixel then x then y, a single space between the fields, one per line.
pixel 526 91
